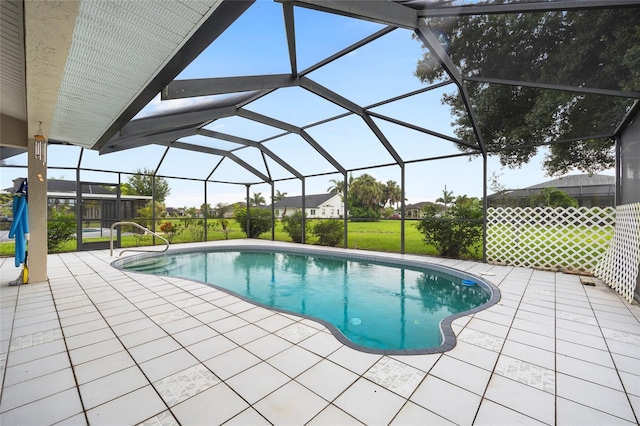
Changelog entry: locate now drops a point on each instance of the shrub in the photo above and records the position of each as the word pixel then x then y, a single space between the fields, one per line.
pixel 196 230
pixel 260 221
pixel 363 214
pixel 448 232
pixel 292 225
pixel 170 230
pixel 329 232
pixel 60 228
pixel 224 225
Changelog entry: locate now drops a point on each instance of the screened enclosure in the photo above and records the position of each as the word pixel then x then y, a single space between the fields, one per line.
pixel 290 95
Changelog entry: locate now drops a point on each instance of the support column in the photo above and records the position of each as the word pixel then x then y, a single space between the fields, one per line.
pixel 37 245
pixel 304 211
pixel 485 206
pixel 345 209
pixel 248 214
pixel 273 216
pixel 402 208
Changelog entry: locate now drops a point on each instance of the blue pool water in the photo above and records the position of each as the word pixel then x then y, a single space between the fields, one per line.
pixel 374 305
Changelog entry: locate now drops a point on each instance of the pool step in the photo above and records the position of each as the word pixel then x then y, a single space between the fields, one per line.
pixel 153 264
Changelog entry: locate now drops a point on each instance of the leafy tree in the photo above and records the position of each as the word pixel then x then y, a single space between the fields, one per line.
pixel 205 208
pixel 140 183
pixel 292 225
pixel 553 197
pixel 220 209
pixel 446 199
pixel 145 214
pixel 257 200
pixel 259 223
pixel 591 48
pixel 387 212
pixel 61 228
pixel 278 196
pixel 453 233
pixel 329 232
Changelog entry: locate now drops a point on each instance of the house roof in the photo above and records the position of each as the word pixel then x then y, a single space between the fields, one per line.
pixel 576 180
pixel 60 185
pixel 310 201
pixel 419 205
pixel 580 185
pixel 67 188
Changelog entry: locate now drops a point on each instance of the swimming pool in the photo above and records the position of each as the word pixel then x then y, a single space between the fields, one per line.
pixel 369 302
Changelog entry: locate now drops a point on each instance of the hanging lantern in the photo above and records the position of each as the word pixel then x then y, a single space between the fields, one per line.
pixel 40 151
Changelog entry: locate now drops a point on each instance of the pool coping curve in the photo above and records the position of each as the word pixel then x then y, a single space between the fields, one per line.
pixel 446 330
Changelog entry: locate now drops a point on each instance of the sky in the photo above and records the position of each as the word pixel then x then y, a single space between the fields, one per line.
pixel 256 44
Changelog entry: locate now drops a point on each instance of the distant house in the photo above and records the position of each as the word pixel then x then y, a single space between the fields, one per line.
pixel 229 213
pixel 316 206
pixel 588 190
pixel 174 212
pixel 98 201
pixel 414 211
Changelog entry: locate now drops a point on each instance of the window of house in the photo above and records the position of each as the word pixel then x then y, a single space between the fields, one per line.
pixel 322 212
pixel 277 212
pixel 332 210
pixel 312 212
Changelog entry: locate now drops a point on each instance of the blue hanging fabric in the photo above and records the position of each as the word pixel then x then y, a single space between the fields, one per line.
pixel 20 225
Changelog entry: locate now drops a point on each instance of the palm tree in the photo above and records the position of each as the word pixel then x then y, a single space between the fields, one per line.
pixel 462 199
pixel 279 196
pixel 337 187
pixel 392 193
pixel 367 191
pixel 446 199
pixel 257 200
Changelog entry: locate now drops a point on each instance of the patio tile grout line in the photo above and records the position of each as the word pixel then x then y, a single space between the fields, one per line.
pixel 624 389
pixel 293 379
pixel 50 292
pixel 493 370
pixel 120 341
pixel 64 339
pixel 222 334
pixel 532 281
pixel 6 355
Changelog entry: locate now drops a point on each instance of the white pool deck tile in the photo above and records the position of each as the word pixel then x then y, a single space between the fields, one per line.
pixel 96 345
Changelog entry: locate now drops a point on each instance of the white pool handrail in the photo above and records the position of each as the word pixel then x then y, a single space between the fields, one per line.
pixel 135 249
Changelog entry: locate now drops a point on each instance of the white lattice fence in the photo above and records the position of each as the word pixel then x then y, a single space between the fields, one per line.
pixel 619 265
pixel 565 239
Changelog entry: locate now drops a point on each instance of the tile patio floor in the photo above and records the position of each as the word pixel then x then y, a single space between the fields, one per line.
pixel 97 345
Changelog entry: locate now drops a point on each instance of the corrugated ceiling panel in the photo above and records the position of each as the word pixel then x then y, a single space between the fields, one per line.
pixel 12 101
pixel 140 37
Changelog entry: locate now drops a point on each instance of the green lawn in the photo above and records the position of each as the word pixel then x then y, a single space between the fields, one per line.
pixel 378 236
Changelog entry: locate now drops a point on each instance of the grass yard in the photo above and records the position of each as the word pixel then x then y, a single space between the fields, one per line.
pixel 378 236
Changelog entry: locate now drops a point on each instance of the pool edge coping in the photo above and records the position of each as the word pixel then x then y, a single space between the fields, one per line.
pixel 449 339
